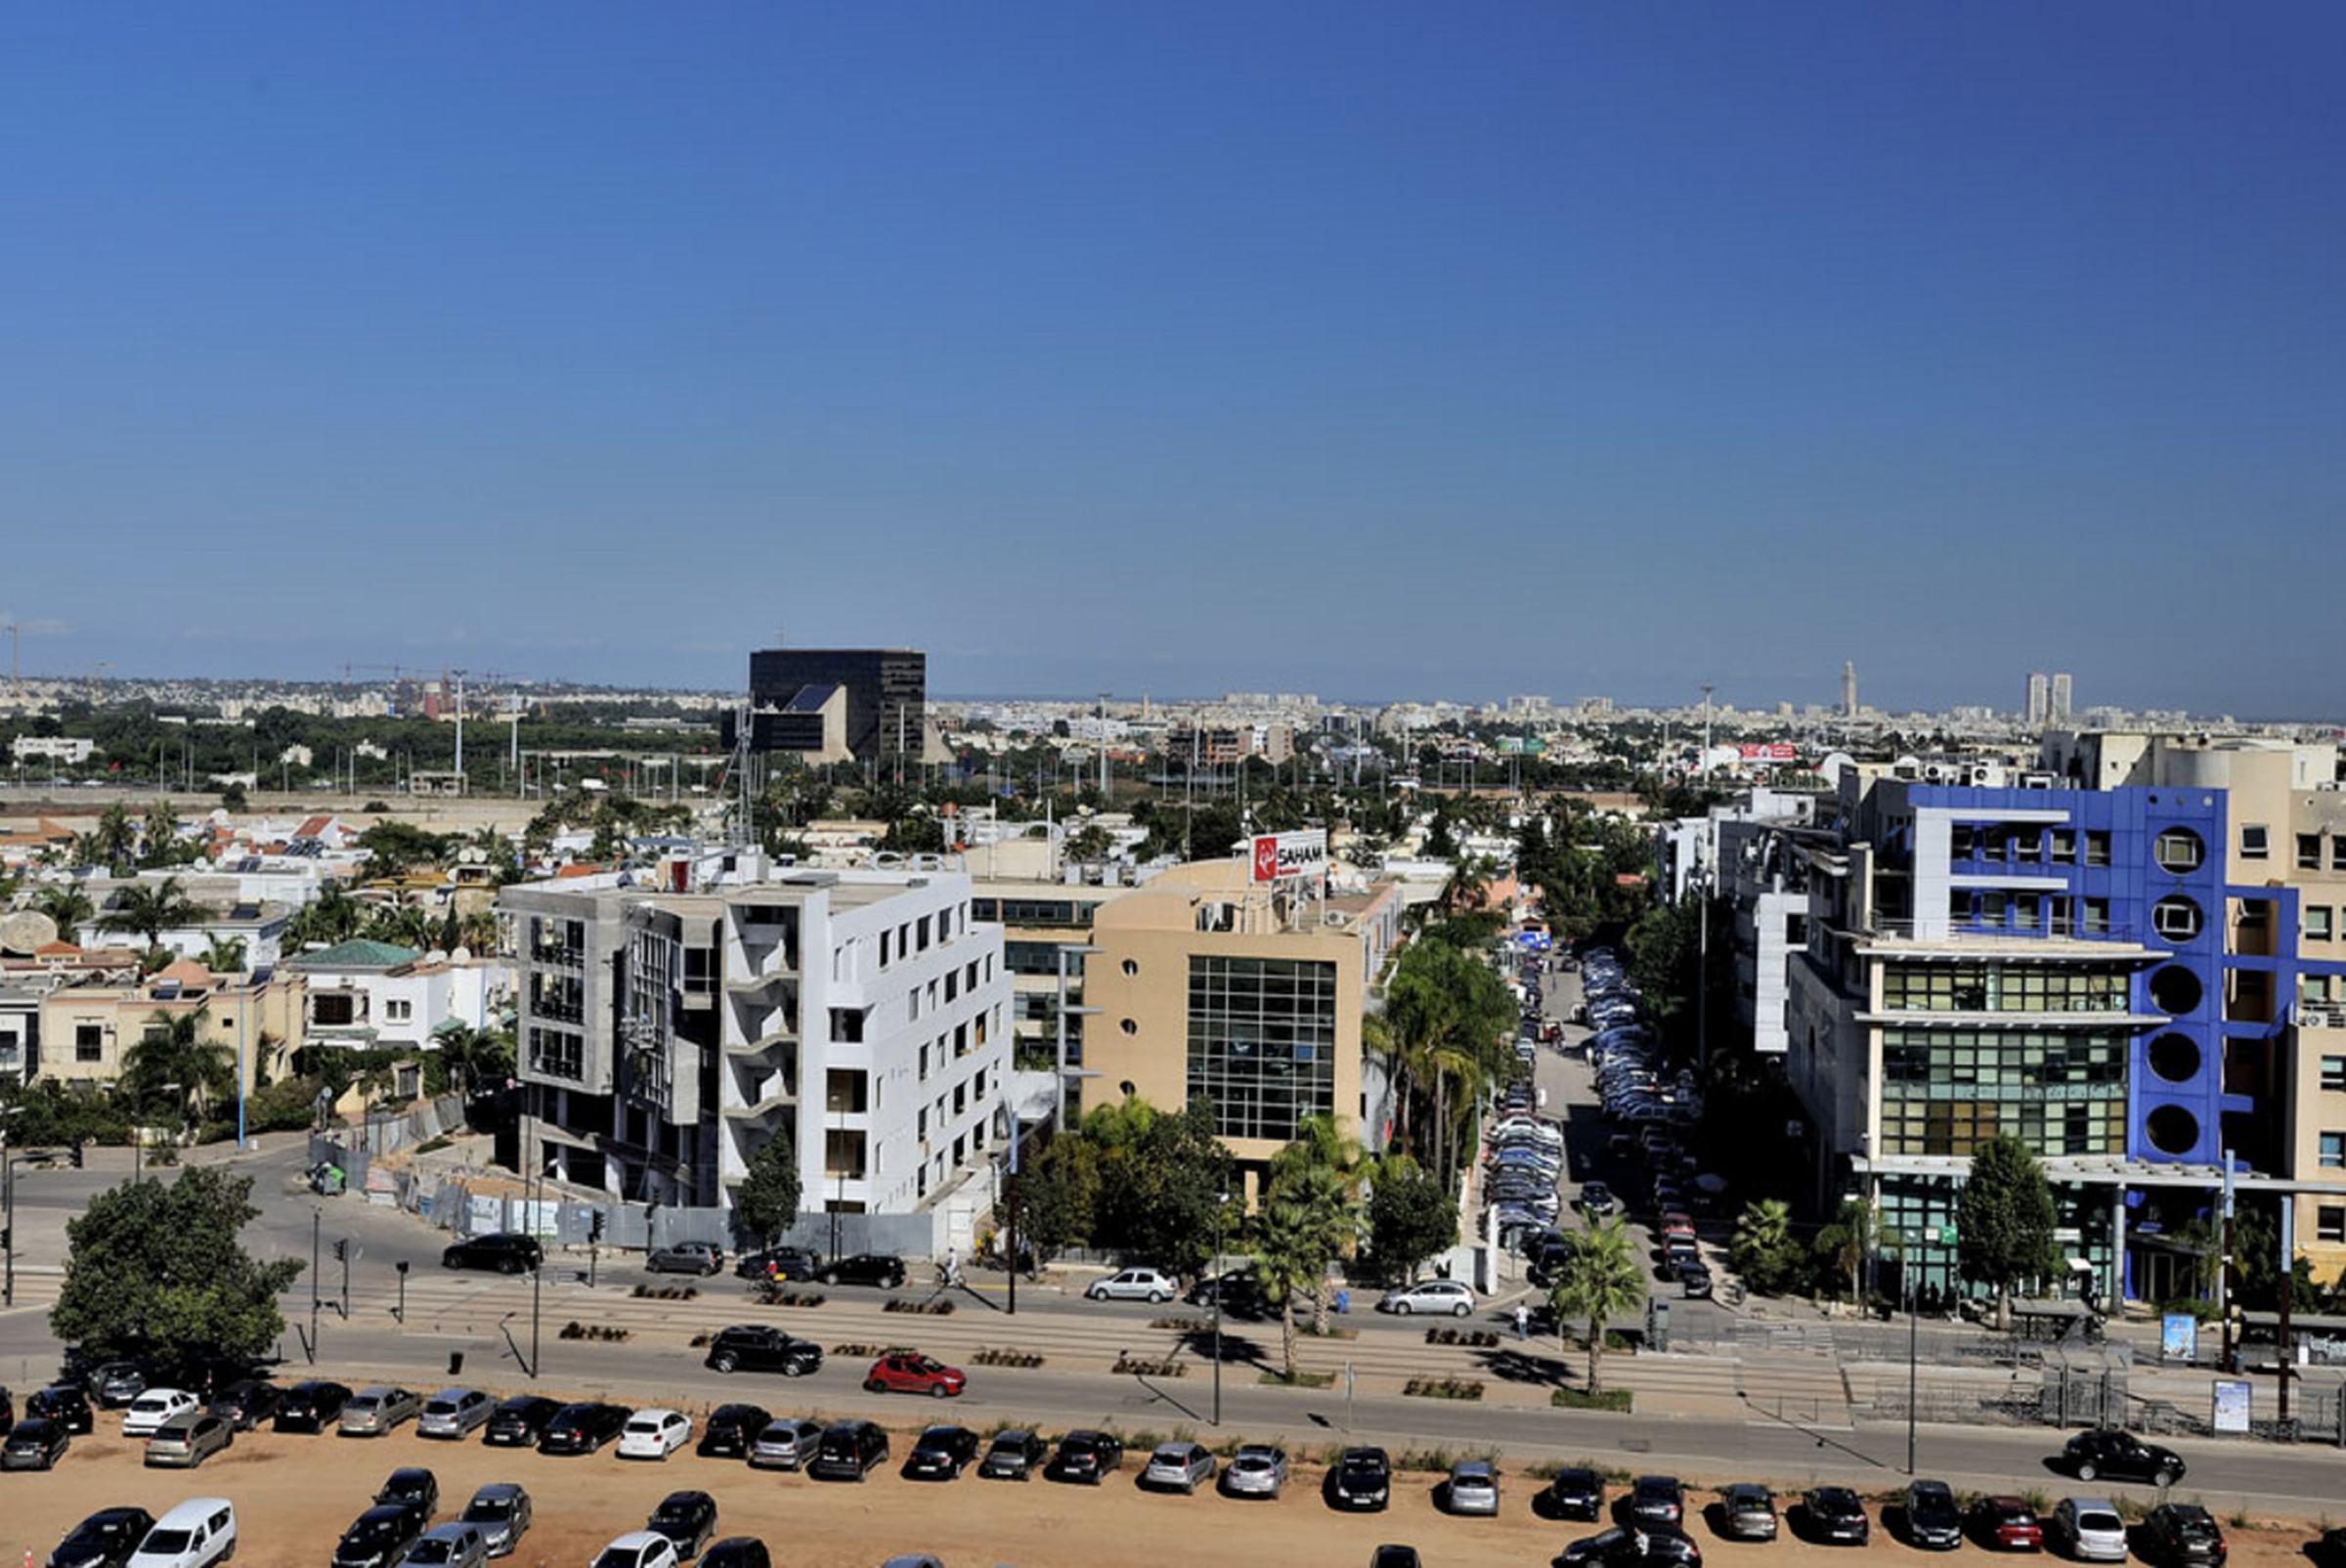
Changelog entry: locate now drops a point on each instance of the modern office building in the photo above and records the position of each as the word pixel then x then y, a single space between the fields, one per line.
pixel 2037 709
pixel 871 704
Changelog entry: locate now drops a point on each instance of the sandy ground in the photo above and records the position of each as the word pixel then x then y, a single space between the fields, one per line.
pixel 294 1496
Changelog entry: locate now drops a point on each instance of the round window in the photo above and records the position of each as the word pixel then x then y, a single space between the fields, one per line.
pixel 1131 968
pixel 1129 1027
pixel 2180 851
pixel 2173 1130
pixel 2175 1058
pixel 2176 918
pixel 2175 990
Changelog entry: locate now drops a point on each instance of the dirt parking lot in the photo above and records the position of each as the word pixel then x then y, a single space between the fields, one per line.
pixel 294 1496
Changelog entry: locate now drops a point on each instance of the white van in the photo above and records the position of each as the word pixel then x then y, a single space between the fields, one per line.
pixel 199 1533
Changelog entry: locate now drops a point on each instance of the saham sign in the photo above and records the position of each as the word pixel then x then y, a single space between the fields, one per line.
pixel 1286 856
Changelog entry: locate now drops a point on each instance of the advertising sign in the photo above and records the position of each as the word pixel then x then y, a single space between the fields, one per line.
pixel 1773 751
pixel 2231 1412
pixel 1285 856
pixel 2178 1337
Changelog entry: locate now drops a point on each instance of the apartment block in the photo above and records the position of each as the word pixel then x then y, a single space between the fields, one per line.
pixel 827 704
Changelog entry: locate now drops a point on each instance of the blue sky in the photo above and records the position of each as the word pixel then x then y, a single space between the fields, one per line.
pixel 1375 350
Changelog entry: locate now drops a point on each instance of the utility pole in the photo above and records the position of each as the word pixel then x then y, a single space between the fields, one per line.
pixel 317 1232
pixel 1705 767
pixel 456 693
pixel 2224 1271
pixel 1221 1285
pixel 2288 1281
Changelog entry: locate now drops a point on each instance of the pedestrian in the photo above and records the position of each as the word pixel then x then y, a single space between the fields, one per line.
pixel 1523 1321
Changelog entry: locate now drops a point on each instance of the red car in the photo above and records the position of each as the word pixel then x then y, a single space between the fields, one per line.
pixel 2007 1524
pixel 1677 1225
pixel 908 1374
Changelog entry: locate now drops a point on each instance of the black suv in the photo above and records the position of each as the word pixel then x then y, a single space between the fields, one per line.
pixel 1835 1516
pixel 1934 1522
pixel 311 1406
pixel 941 1454
pixel 1362 1479
pixel 503 1253
pixel 753 1348
pixel 863 1268
pixel 1086 1456
pixel 582 1429
pixel 245 1405
pixel 64 1404
pixel 779 1263
pixel 519 1421
pixel 2183 1535
pixel 380 1537
pixel 730 1430
pixel 103 1540
pixel 2107 1452
pixel 847 1450
pixel 1577 1493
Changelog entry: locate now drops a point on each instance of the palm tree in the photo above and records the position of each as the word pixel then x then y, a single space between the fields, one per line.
pixel 402 925
pixel 151 908
pixel 1855 1233
pixel 1288 1261
pixel 333 916
pixel 473 1055
pixel 224 955
pixel 1599 1280
pixel 173 1051
pixel 65 903
pixel 159 835
pixel 112 844
pixel 1762 1249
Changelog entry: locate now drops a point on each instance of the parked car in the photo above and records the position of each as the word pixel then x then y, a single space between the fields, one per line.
pixel 1015 1454
pixel 373 1411
pixel 2006 1524
pixel 1572 1493
pixel 380 1537
pixel 638 1549
pixel 653 1433
pixel 779 1263
pixel 2183 1535
pixel 1395 1555
pixel 940 1454
pixel 848 1451
pixel 1658 1500
pixel 498 1254
pixel 455 1544
pixel 196 1534
pixel 731 1429
pixel 786 1444
pixel 152 1409
pixel 1934 1522
pixel 755 1347
pixel 582 1429
pixel 1240 1291
pixel 737 1551
pixel 2106 1454
pixel 502 1514
pixel 64 1404
pixel 116 1383
pixel 1596 1200
pixel 1133 1285
pixel 2088 1529
pixel 1453 1296
pixel 454 1412
pixel 1178 1467
pixel 1362 1478
pixel 1747 1512
pixel 412 1483
pixel 519 1421
pixel 105 1540
pixel 1695 1282
pixel 1638 1547
pixel 864 1267
pixel 910 1372
pixel 1255 1471
pixel 1086 1456
pixel 247 1403
pixel 686 1518
pixel 1472 1488
pixel 686 1257
pixel 1834 1516
pixel 310 1406
pixel 36 1444
pixel 185 1441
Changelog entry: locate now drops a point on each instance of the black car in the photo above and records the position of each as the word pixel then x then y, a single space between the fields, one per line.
pixel 1633 1546
pixel 703 1259
pixel 687 1518
pixel 1086 1458
pixel 1239 1291
pixel 1013 1456
pixel 35 1444
pixel 1577 1493
pixel 1933 1522
pixel 1658 1500
pixel 2183 1535
pixel 411 1484
pixel 1831 1515
pixel 64 1404
pixel 848 1451
pixel 246 1404
pixel 380 1537
pixel 2105 1452
pixel 103 1540
pixel 1393 1556
pixel 502 1253
pixel 747 1347
pixel 520 1422
pixel 941 1454
pixel 779 1263
pixel 737 1551
pixel 311 1406
pixel 582 1429
pixel 1362 1479
pixel 118 1383
pixel 730 1430
pixel 863 1268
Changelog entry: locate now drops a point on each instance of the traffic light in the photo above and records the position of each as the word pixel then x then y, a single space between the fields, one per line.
pixel 341 1251
pixel 594 1226
pixel 7 1239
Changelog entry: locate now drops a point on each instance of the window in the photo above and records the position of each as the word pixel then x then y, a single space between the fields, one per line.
pixel 2316 922
pixel 847 1025
pixel 2093 919
pixel 2064 842
pixel 88 1042
pixel 2333 1151
pixel 2329 1223
pixel 2255 842
pixel 2308 851
pixel 2179 850
pixel 557 1054
pixel 923 929
pixel 2337 851
pixel 337 1009
pixel 398 1010
pixel 1946 1090
pixel 2176 918
pixel 952 984
pixel 2334 1073
pixel 884 938
pixel 2255 914
pixel 1262 1040
pixel 2096 847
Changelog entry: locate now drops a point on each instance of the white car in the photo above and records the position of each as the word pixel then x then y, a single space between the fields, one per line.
pixel 1133 1285
pixel 154 1407
pixel 1430 1295
pixel 653 1434
pixel 197 1534
pixel 638 1549
pixel 2090 1529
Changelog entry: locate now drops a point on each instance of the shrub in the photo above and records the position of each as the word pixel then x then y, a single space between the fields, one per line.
pixel 990 1357
pixel 1612 1399
pixel 1141 1367
pixel 666 1292
pixel 939 1308
pixel 1476 1339
pixel 1443 1388
pixel 594 1334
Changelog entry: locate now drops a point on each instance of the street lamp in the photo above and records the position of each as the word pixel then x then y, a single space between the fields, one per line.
pixel 1221 1285
pixel 8 1210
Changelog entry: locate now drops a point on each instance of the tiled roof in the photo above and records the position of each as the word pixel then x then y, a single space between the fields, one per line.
pixel 358 953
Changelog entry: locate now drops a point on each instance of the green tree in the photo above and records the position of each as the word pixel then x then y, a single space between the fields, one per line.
pixel 1162 1176
pixel 172 1050
pixel 1323 1169
pixel 1597 1280
pixel 224 955
pixel 476 1056
pixel 1763 1250
pixel 333 916
pixel 151 908
pixel 158 836
pixel 155 1269
pixel 1057 1191
pixel 68 905
pixel 1091 842
pixel 1412 1216
pixel 2004 1221
pixel 394 847
pixel 767 1203
pixel 1854 1234
pixel 1290 1261
pixel 114 843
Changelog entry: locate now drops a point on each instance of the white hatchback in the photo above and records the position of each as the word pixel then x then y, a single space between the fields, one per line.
pixel 653 1434
pixel 154 1407
pixel 638 1549
pixel 2091 1528
pixel 1132 1285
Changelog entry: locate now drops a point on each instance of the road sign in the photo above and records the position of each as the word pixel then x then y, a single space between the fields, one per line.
pixel 1946 1235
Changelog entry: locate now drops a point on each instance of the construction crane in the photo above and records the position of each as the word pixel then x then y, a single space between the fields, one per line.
pixel 17 627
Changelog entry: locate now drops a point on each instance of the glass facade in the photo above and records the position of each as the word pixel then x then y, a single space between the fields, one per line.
pixel 1947 1090
pixel 1263 1042
pixel 1918 1207
pixel 2002 988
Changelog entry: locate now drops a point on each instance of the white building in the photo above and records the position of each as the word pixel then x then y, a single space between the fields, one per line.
pixel 53 749
pixel 370 995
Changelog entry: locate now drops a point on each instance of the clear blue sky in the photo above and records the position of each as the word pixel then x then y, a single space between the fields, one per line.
pixel 1375 350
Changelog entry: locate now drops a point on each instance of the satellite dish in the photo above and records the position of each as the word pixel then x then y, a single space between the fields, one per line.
pixel 461 955
pixel 26 931
pixel 434 956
